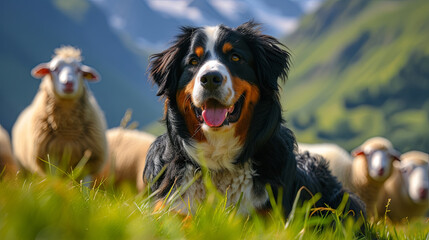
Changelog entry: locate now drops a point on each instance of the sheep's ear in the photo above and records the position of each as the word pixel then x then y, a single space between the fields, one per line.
pixel 90 74
pixel 397 164
pixel 273 59
pixel 40 70
pixel 357 151
pixel 165 67
pixel 395 154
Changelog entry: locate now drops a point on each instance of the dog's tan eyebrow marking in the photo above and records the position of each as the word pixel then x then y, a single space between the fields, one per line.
pixel 226 47
pixel 199 51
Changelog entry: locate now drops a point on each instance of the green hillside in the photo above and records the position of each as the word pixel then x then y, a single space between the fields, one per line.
pixel 361 69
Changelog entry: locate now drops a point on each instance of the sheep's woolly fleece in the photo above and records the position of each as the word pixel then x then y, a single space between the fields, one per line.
pixel 62 128
pixel 66 52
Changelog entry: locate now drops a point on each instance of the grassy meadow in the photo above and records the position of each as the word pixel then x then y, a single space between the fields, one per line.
pixel 60 208
pixel 360 69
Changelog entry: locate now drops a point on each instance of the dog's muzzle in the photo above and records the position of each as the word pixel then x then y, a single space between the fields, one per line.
pixel 211 81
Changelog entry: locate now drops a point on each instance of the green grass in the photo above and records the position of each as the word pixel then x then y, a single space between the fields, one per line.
pixel 156 128
pixel 60 208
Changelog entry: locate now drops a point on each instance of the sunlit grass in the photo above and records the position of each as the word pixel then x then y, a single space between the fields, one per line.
pixel 60 208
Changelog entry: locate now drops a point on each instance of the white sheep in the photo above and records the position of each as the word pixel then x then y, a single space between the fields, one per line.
pixel 127 156
pixel 408 188
pixel 8 165
pixel 365 172
pixel 64 122
pixel 336 155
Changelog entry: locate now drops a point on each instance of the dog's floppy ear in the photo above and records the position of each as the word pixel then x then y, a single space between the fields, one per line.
pixel 165 67
pixel 273 60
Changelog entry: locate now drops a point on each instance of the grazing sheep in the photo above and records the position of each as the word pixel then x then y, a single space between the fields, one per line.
pixel 7 163
pixel 336 156
pixel 366 172
pixel 127 156
pixel 408 188
pixel 64 122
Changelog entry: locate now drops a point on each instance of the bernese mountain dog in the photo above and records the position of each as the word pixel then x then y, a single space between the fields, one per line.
pixel 222 111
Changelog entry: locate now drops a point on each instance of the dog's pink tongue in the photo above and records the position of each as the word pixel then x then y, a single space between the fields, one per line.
pixel 214 117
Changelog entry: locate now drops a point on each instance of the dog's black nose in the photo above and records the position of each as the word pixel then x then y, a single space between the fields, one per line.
pixel 211 80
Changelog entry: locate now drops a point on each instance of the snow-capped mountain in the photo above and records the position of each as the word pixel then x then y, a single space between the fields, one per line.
pixel 151 24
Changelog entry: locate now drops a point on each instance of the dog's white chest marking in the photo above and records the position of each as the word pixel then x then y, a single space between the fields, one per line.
pixel 230 183
pixel 218 152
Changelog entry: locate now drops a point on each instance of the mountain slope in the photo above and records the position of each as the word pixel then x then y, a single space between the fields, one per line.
pixel 361 69
pixel 31 30
pixel 153 23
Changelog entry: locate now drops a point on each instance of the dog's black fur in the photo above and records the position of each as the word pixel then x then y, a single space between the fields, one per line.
pixel 270 146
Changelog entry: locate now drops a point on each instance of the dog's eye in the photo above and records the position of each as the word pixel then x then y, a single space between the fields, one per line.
pixel 193 61
pixel 235 58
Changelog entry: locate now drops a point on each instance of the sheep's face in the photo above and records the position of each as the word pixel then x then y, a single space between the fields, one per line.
pixel 379 161
pixel 416 181
pixel 67 76
pixel 379 164
pixel 379 154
